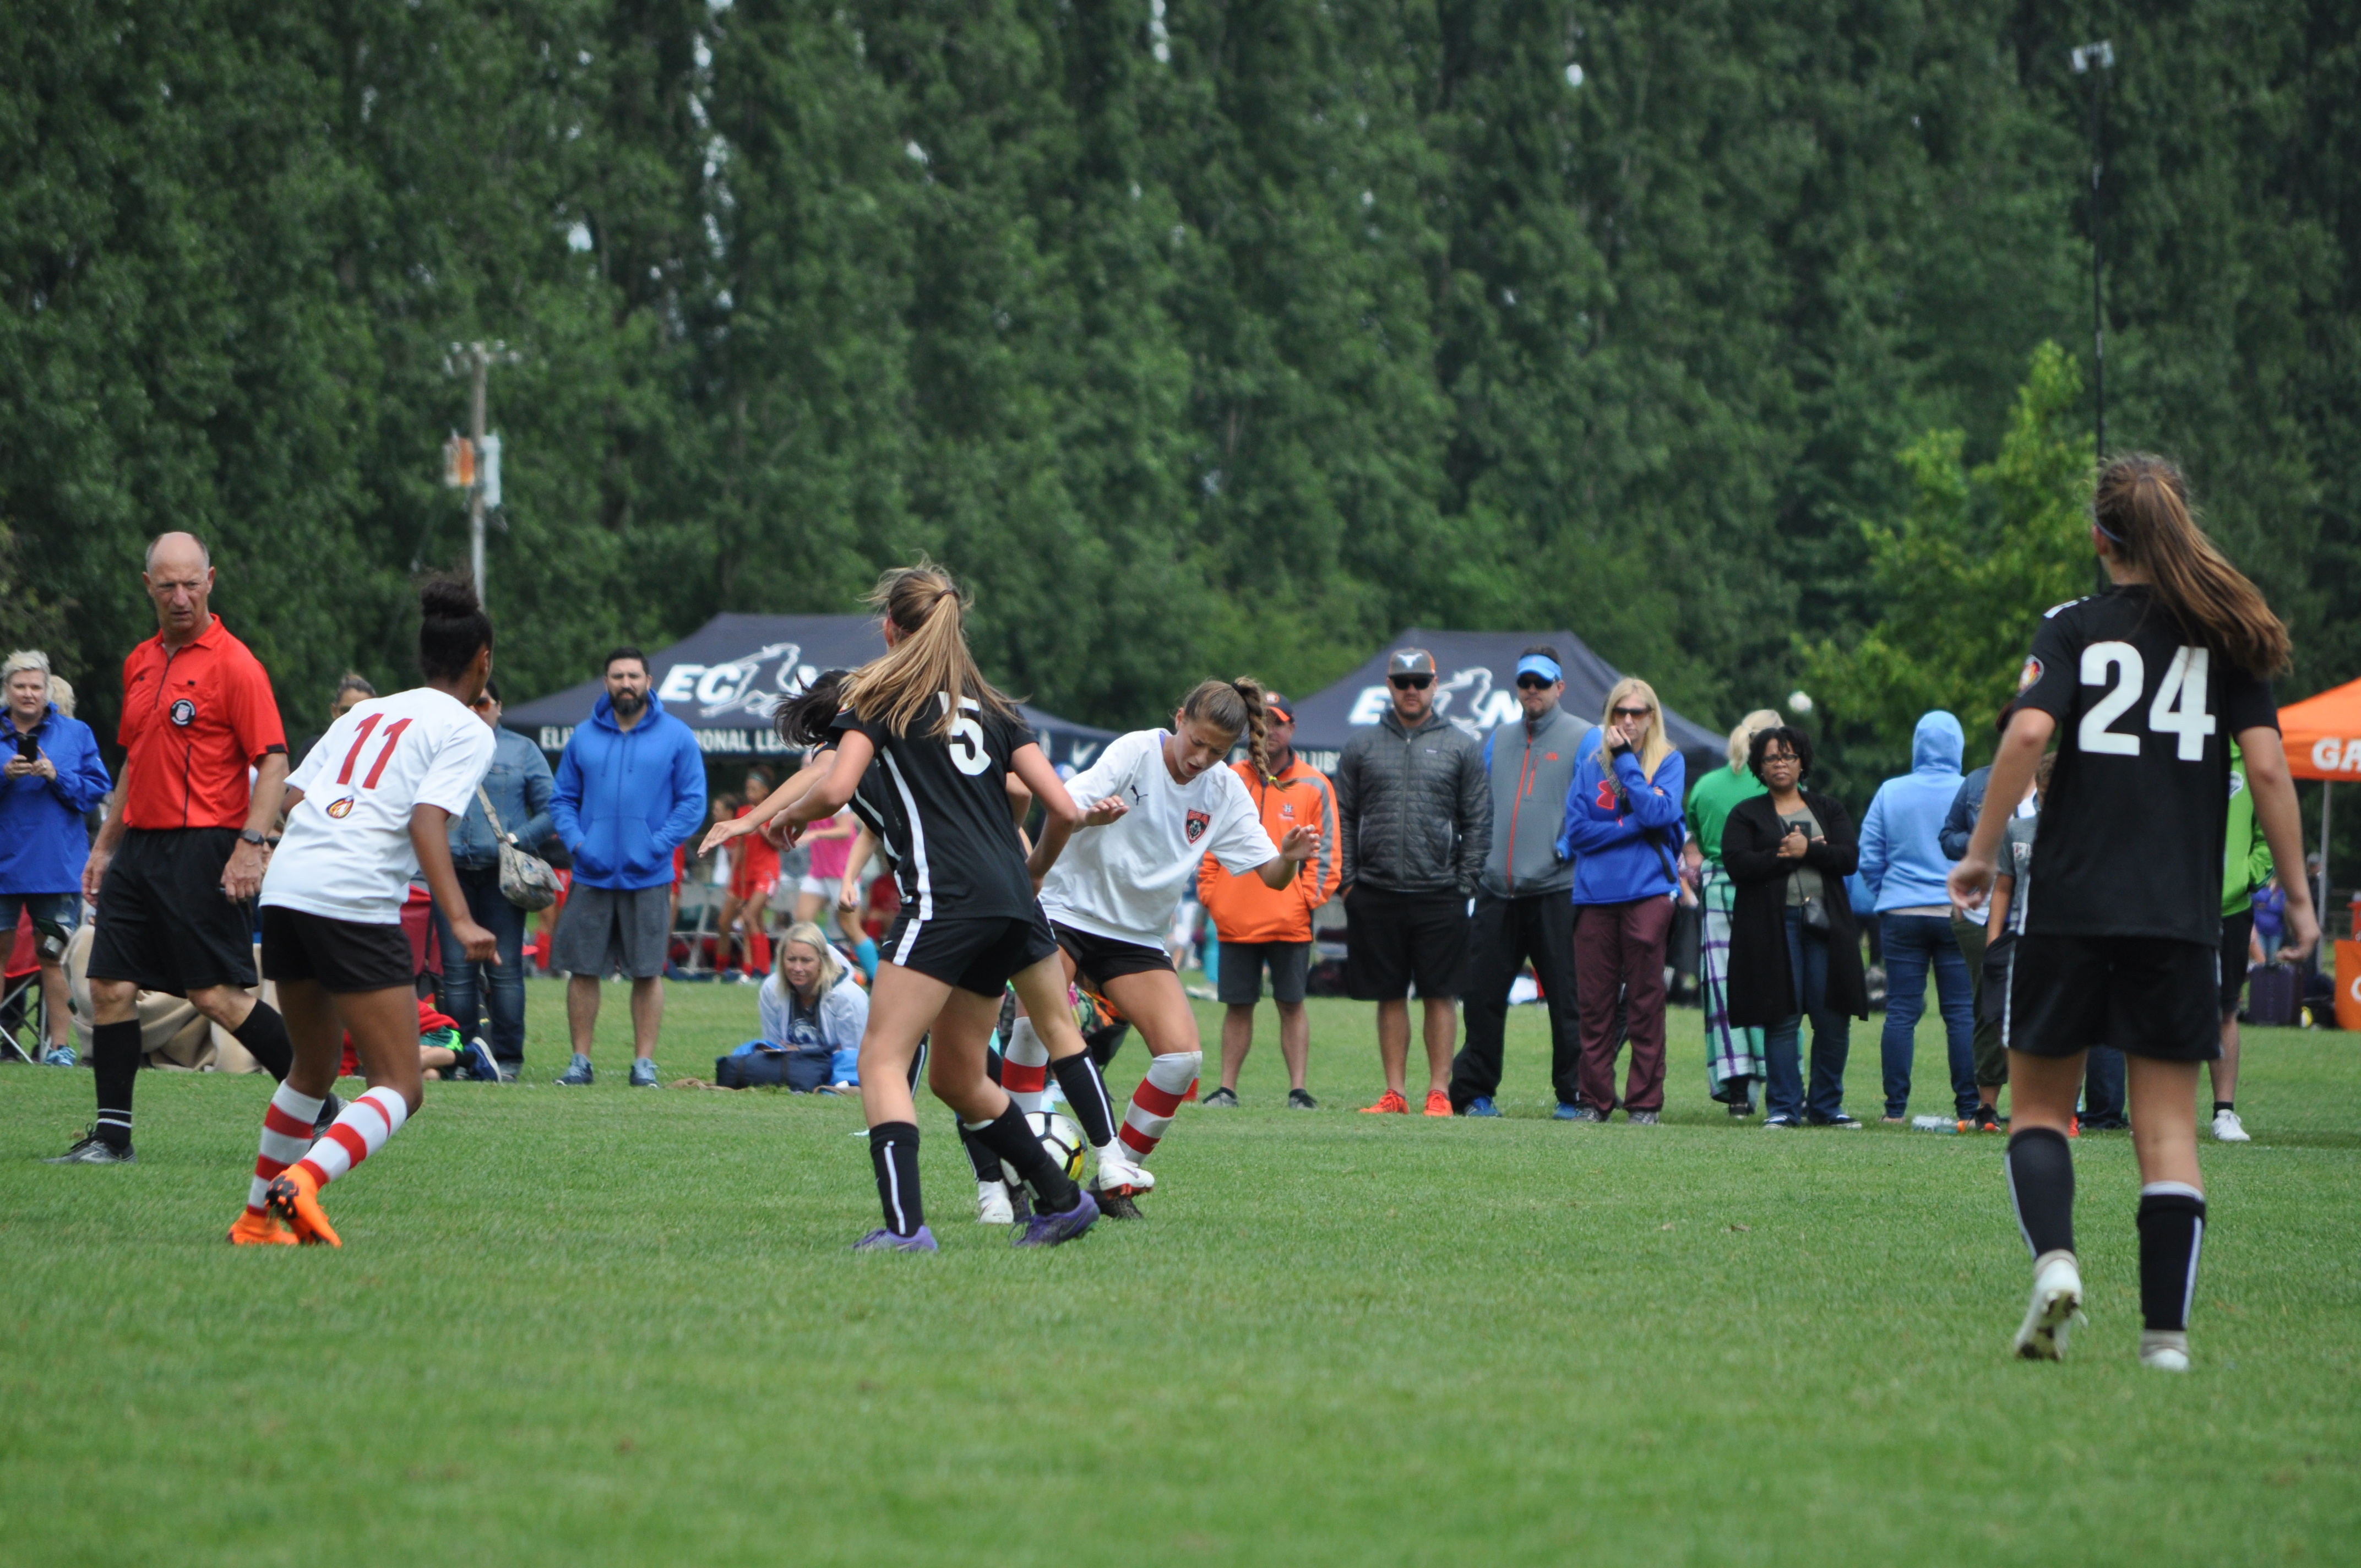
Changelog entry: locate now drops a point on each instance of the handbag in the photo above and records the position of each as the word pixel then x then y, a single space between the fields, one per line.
pixel 1816 912
pixel 526 880
pixel 802 1071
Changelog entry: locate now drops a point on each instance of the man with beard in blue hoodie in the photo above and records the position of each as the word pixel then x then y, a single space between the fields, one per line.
pixel 1904 869
pixel 630 788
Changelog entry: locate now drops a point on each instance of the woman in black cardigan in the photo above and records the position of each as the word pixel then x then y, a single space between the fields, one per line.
pixel 1793 946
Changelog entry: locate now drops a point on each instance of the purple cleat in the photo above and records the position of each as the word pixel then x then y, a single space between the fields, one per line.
pixel 1048 1230
pixel 920 1240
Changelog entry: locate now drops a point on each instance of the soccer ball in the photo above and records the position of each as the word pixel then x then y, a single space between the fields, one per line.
pixel 1061 1140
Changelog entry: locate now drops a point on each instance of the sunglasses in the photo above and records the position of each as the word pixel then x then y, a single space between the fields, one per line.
pixel 1534 683
pixel 1629 712
pixel 1409 682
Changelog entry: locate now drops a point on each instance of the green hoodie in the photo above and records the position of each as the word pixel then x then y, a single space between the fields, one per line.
pixel 2245 858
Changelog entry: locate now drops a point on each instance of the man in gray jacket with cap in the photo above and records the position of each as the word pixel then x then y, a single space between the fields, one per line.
pixel 1524 907
pixel 1414 815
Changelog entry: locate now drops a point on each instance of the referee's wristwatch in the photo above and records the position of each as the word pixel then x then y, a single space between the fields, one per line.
pixel 248 836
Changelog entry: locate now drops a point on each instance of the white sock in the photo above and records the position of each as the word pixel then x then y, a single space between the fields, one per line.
pixel 357 1134
pixel 286 1136
pixel 1025 1068
pixel 1157 1098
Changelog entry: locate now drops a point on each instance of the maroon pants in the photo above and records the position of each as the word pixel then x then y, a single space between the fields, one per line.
pixel 1618 949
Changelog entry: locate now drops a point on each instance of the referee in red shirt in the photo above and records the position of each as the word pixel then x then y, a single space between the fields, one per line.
pixel 181 852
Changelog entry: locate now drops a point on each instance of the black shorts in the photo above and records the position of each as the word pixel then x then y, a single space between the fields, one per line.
pixel 1241 966
pixel 2237 930
pixel 1396 939
pixel 1101 959
pixel 979 955
pixel 343 956
pixel 163 923
pixel 2146 996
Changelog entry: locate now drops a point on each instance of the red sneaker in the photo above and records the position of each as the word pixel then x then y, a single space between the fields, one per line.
pixel 1438 1103
pixel 1389 1104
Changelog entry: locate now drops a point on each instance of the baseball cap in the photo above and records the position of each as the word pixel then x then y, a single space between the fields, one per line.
pixel 1280 707
pixel 1410 662
pixel 1541 665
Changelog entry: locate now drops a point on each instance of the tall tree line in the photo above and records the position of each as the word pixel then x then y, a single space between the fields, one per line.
pixel 1200 336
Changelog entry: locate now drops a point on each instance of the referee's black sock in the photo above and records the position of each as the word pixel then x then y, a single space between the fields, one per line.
pixel 2171 1232
pixel 1085 1090
pixel 2041 1179
pixel 978 1154
pixel 114 1062
pixel 1054 1192
pixel 264 1035
pixel 893 1150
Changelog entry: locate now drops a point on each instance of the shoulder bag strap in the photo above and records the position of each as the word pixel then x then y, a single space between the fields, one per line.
pixel 498 831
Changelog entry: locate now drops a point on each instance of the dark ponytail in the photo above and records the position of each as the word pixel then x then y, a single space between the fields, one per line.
pixel 452 628
pixel 1238 706
pixel 805 718
pixel 2142 505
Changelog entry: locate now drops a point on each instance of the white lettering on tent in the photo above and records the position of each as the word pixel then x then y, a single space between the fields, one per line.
pixel 2324 753
pixel 2352 763
pixel 1497 709
pixel 722 682
pixel 679 683
pixel 1369 707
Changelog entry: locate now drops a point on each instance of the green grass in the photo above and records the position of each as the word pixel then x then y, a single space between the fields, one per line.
pixel 615 1327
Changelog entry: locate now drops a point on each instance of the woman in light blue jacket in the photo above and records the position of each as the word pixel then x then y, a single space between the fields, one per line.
pixel 810 999
pixel 1904 867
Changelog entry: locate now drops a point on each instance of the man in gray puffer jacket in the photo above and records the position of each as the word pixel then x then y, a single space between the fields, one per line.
pixel 1524 908
pixel 1414 813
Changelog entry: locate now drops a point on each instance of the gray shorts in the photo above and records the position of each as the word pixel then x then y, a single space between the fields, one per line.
pixel 1240 984
pixel 605 931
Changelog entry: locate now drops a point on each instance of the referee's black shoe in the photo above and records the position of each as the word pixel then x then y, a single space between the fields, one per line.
pixel 330 1108
pixel 92 1150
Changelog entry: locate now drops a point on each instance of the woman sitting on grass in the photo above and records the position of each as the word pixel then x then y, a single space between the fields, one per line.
pixel 811 1001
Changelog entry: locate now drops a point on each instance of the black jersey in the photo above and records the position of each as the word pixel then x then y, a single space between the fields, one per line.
pixel 941 806
pixel 2130 841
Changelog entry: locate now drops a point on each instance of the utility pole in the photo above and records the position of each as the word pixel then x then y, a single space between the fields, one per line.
pixel 2096 60
pixel 477 469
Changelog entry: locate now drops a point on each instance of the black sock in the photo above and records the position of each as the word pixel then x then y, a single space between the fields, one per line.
pixel 2171 1231
pixel 264 1035
pixel 1086 1095
pixel 1054 1192
pixel 2041 1179
pixel 978 1154
pixel 893 1150
pixel 114 1062
pixel 2221 1105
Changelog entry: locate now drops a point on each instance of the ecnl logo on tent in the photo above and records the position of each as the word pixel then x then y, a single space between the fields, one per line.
pixel 737 685
pixel 1485 706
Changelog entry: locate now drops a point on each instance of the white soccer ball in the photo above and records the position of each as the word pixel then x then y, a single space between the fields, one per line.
pixel 1799 702
pixel 1060 1139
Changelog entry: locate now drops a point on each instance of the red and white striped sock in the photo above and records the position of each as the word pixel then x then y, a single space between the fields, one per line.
pixel 1158 1096
pixel 1025 1068
pixel 360 1133
pixel 286 1133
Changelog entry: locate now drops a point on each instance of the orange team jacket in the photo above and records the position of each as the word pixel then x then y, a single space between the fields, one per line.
pixel 1244 908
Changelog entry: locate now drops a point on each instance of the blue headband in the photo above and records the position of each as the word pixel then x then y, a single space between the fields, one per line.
pixel 1541 665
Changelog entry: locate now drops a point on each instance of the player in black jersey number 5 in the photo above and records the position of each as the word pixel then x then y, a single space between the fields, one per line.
pixel 946 742
pixel 2144 687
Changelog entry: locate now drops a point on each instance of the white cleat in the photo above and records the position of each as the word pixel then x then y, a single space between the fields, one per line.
pixel 1119 1173
pixel 2164 1349
pixel 2228 1129
pixel 992 1205
pixel 2057 1303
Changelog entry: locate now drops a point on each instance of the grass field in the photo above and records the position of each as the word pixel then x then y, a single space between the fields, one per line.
pixel 609 1326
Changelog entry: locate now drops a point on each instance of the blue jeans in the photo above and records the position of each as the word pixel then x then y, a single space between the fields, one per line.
pixel 1808 956
pixel 2103 1085
pixel 1913 944
pixel 462 996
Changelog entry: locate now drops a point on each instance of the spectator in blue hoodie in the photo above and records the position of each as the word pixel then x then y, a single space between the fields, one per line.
pixel 53 777
pixel 1623 831
pixel 1902 865
pixel 630 788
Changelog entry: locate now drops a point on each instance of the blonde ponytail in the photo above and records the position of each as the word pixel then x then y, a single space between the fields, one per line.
pixel 930 660
pixel 1238 706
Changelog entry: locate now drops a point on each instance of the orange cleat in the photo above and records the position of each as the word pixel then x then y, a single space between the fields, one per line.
pixel 294 1197
pixel 260 1230
pixel 1390 1104
pixel 1438 1103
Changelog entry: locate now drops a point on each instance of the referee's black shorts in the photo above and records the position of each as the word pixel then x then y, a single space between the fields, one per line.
pixel 163 922
pixel 981 954
pixel 2146 996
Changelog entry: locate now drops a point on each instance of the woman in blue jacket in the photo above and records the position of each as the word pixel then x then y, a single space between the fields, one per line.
pixel 53 777
pixel 1623 831
pixel 1904 867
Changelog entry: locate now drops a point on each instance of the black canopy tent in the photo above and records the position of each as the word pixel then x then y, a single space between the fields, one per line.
pixel 1477 681
pixel 723 679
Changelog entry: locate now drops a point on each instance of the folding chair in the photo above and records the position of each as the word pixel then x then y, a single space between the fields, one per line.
pixel 24 1017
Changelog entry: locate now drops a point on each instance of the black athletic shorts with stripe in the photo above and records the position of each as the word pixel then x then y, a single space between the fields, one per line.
pixel 1101 959
pixel 2146 996
pixel 979 954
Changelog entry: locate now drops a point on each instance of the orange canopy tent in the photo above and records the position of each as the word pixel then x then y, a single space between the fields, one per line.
pixel 2323 735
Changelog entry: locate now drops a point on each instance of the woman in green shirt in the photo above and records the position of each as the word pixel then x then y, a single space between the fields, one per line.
pixel 1733 1056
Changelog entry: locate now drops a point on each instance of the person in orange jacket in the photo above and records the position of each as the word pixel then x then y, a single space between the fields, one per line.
pixel 1260 926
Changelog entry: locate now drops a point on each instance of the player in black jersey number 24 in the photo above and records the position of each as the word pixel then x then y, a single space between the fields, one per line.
pixel 2144 687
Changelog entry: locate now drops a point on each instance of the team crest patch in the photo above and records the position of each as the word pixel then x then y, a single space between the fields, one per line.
pixel 341 809
pixel 1198 822
pixel 2027 676
pixel 184 712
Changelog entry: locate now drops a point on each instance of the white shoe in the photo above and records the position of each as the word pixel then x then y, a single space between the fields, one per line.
pixel 1118 1172
pixel 2230 1130
pixel 2165 1350
pixel 2057 1303
pixel 992 1204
